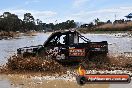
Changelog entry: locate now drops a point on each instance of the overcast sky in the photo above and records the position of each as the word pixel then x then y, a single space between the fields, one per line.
pixel 62 10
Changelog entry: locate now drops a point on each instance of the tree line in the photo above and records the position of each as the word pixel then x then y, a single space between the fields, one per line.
pixel 11 22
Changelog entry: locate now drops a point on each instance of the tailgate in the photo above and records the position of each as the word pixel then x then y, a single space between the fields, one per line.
pixel 99 47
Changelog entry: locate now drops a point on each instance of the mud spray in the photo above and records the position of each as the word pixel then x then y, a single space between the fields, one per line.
pixel 18 64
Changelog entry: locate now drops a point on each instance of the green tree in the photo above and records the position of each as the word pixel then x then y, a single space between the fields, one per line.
pixel 28 18
pixel 10 22
pixel 39 25
pixel 28 22
pixel 96 21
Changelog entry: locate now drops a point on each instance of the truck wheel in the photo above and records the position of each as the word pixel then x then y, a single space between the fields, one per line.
pixel 81 80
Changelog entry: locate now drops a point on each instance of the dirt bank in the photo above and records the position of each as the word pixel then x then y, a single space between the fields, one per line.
pixel 9 35
pixel 6 35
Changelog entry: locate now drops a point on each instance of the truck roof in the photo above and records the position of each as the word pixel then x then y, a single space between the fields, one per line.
pixel 59 33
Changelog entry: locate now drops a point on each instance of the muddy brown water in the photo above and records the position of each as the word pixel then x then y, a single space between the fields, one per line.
pixel 26 81
pixel 19 81
pixel 118 45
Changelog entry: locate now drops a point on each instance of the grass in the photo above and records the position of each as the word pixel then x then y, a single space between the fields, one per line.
pixel 108 28
pixel 118 26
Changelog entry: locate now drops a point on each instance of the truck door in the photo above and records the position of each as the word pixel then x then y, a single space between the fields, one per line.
pixel 56 47
pixel 76 49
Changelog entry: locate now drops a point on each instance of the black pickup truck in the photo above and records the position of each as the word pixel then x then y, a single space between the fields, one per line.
pixel 66 46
